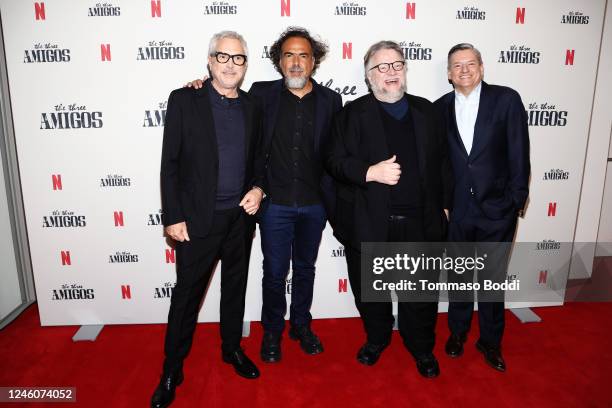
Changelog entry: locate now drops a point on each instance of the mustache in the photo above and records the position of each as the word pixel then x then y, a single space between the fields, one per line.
pixel 296 68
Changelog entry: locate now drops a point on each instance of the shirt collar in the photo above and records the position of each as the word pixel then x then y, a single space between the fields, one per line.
pixel 473 97
pixel 219 99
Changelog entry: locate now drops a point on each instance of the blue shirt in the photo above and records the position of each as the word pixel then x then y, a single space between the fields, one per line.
pixel 228 116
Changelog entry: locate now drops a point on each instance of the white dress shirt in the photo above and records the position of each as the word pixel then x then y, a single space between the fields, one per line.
pixel 466 111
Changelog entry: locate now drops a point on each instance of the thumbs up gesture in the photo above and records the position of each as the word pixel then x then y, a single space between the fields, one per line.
pixel 385 172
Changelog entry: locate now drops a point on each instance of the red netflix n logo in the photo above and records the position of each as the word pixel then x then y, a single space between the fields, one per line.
pixel 342 285
pixel 66 258
pixel 105 52
pixel 520 15
pixel 39 10
pixel 569 57
pixel 552 209
pixel 155 8
pixel 118 215
pixel 542 278
pixel 56 179
pixel 285 8
pixel 410 11
pixel 126 292
pixel 347 50
pixel 170 256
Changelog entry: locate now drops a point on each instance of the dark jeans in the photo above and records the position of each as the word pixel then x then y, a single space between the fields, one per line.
pixel 416 320
pixel 227 240
pixel 289 234
pixel 476 227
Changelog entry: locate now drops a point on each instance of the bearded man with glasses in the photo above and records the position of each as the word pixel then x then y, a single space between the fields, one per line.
pixel 389 156
pixel 210 189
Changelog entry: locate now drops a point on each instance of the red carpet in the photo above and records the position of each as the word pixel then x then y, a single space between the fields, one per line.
pixel 564 361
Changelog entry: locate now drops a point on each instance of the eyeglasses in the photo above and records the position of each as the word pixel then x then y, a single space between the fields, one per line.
pixel 386 66
pixel 237 59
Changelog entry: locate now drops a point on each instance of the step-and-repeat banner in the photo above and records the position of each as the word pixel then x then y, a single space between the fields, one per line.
pixel 89 83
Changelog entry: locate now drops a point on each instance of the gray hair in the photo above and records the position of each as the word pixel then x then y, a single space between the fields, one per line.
pixel 212 46
pixel 381 45
pixel 462 47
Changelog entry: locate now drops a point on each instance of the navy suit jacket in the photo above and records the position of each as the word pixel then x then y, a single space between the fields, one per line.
pixel 496 171
pixel 327 104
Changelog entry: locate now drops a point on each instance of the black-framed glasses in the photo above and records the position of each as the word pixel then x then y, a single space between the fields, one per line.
pixel 386 66
pixel 237 59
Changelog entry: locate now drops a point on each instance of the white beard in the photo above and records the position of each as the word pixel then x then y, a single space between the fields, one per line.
pixel 386 96
pixel 295 83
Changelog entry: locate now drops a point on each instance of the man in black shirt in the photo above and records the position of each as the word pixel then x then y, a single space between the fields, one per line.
pixel 389 155
pixel 297 122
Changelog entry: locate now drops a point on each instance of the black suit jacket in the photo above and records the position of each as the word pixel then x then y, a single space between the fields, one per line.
pixel 497 169
pixel 190 160
pixel 327 104
pixel 359 141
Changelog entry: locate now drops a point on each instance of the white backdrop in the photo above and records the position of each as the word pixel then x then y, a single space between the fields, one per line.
pixel 89 83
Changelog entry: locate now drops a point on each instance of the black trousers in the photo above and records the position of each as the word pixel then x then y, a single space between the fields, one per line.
pixel 416 320
pixel 476 227
pixel 229 240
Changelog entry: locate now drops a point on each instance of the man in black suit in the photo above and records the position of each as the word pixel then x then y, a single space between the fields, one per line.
pixel 208 172
pixel 388 155
pixel 488 138
pixel 297 121
pixel 300 196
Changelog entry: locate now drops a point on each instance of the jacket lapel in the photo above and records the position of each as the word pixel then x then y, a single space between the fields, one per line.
pixel 420 135
pixel 452 127
pixel 481 136
pixel 373 122
pixel 247 109
pixel 206 137
pixel 322 106
pixel 272 102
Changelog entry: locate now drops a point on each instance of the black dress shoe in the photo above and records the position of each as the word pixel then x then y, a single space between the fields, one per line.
pixel 369 353
pixel 270 348
pixel 243 366
pixel 164 393
pixel 428 366
pixel 309 342
pixel 454 345
pixel 492 356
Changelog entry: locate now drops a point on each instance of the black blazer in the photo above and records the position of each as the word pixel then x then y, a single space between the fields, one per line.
pixel 359 141
pixel 497 168
pixel 327 104
pixel 190 161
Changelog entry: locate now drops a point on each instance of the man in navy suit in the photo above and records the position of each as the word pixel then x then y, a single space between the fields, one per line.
pixel 489 148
